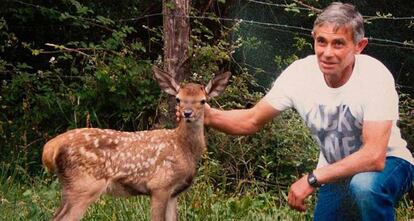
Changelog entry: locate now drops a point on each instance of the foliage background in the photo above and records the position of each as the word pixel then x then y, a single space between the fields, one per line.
pixel 68 64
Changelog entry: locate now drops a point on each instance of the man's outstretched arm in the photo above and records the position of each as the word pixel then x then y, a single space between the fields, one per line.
pixel 241 121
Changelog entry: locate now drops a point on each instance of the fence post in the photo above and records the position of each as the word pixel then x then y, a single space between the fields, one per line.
pixel 176 41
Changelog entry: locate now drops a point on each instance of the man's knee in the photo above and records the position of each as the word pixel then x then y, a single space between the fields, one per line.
pixel 365 186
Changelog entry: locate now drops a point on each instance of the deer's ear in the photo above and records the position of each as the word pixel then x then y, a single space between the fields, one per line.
pixel 217 84
pixel 166 81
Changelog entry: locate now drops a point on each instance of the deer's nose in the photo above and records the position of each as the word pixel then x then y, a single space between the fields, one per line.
pixel 187 113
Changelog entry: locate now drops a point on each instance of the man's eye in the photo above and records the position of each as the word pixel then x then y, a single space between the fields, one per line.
pixel 339 43
pixel 321 43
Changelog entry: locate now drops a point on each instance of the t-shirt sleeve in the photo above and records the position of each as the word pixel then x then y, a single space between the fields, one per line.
pixel 279 95
pixel 382 104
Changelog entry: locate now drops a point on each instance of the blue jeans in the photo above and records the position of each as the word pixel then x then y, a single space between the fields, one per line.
pixel 366 196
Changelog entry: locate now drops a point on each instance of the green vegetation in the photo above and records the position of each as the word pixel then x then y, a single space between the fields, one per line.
pixel 37 198
pixel 70 64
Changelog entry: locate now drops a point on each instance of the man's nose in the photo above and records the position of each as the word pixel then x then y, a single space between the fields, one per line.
pixel 187 113
pixel 328 51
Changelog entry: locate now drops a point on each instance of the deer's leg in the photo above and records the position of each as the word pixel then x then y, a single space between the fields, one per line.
pixel 159 201
pixel 76 199
pixel 62 208
pixel 171 214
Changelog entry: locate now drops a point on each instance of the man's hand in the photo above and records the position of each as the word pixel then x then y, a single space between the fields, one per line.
pixel 298 193
pixel 207 114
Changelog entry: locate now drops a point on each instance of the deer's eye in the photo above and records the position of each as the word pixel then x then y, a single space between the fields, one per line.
pixel 178 100
pixel 203 101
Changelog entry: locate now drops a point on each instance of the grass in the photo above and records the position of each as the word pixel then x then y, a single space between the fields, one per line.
pixel 36 198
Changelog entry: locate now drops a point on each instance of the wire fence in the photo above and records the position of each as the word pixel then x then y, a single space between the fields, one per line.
pixel 284 27
pixel 278 27
pixel 407 44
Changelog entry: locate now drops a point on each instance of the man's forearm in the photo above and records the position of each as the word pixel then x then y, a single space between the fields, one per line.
pixel 243 121
pixel 358 162
pixel 370 157
pixel 236 122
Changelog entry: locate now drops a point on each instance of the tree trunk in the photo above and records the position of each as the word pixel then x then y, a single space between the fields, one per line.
pixel 176 41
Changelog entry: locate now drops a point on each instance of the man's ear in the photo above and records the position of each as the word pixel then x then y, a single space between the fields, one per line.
pixel 361 45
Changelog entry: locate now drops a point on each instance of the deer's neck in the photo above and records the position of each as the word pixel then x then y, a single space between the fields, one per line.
pixel 191 137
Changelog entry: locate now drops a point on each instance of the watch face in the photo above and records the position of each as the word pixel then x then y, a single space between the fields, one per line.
pixel 312 180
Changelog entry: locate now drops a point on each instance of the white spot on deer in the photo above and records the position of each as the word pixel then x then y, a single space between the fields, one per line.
pixel 87 136
pixel 116 141
pixel 167 164
pixel 91 155
pixel 161 146
pixel 96 143
pixel 146 165
pixel 170 158
pixel 157 154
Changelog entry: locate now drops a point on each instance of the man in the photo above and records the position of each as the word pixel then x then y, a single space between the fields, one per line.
pixel 350 104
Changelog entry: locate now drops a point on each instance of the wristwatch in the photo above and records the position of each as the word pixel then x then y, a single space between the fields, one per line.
pixel 312 180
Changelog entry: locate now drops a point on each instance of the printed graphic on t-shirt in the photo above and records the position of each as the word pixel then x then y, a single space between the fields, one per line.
pixel 336 130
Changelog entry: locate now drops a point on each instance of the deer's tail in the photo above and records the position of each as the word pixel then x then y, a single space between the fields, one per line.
pixel 50 151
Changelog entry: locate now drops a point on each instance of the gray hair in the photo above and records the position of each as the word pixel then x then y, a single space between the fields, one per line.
pixel 341 15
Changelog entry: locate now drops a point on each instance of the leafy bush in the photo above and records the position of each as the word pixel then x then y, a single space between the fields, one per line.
pixel 105 81
pixel 90 69
pixel 406 122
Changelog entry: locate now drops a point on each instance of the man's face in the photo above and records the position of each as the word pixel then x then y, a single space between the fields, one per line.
pixel 335 49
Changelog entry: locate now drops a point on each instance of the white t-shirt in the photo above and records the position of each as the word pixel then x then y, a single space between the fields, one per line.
pixel 335 115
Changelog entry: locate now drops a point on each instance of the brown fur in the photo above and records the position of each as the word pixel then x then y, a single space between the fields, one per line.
pixel 159 163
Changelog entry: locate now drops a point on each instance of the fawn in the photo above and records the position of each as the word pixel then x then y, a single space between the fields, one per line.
pixel 160 163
